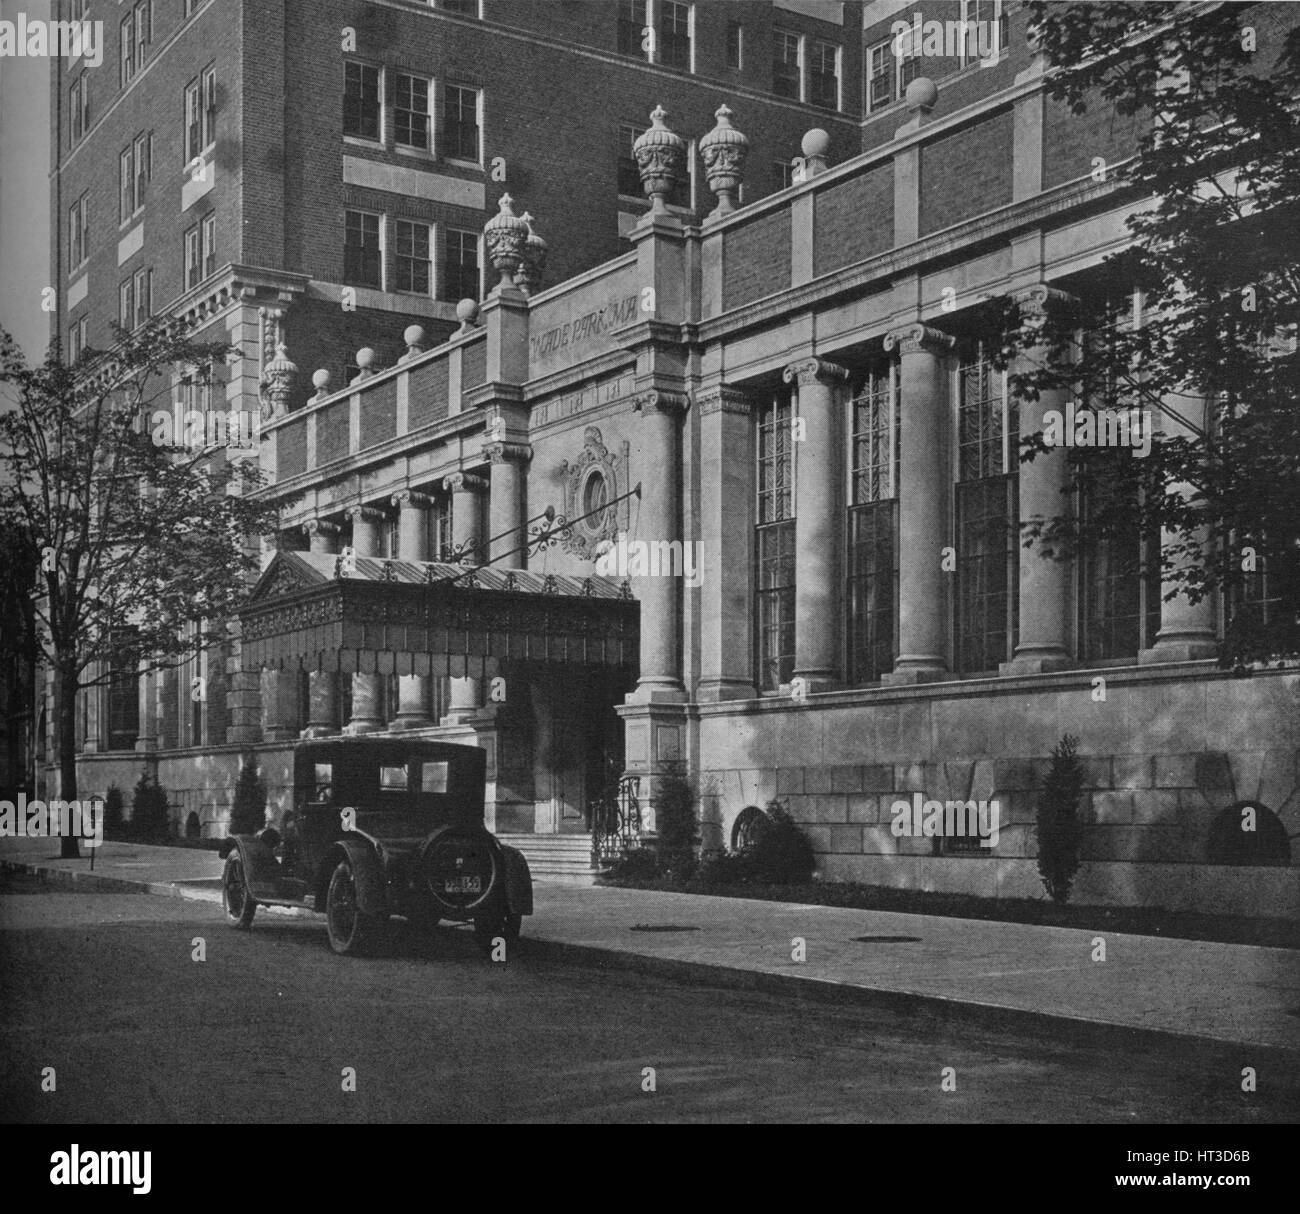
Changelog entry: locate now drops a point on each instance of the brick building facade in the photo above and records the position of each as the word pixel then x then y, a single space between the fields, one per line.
pixel 826 651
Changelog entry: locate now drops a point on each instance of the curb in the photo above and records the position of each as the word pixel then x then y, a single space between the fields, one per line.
pixel 922 1006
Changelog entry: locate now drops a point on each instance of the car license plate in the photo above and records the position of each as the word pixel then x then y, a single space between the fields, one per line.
pixel 463 885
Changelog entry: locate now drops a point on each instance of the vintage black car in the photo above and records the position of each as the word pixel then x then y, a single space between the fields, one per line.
pixel 381 827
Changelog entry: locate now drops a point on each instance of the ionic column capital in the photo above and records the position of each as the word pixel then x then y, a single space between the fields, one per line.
pixel 670 404
pixel 464 482
pixel 409 499
pixel 320 526
pixel 814 371
pixel 919 339
pixel 722 398
pixel 508 453
pixel 365 514
pixel 1040 301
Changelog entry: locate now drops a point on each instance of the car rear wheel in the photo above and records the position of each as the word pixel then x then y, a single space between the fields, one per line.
pixel 235 898
pixel 489 927
pixel 352 931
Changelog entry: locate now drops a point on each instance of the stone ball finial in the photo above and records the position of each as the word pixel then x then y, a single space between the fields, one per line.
pixel 661 159
pixel 724 150
pixel 921 94
pixel 320 380
pixel 365 358
pixel 413 335
pixel 815 143
pixel 467 314
pixel 505 235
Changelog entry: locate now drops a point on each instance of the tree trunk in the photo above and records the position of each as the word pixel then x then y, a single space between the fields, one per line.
pixel 67 746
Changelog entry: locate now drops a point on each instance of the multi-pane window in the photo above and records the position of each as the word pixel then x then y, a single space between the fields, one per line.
pixel 135 34
pixel 461 122
pixel 986 24
pixel 439 523
pixel 629 176
pixel 774 593
pixel 1119 566
pixel 873 527
pixel 787 64
pixel 411 112
pixel 201 113
pixel 209 226
pixel 362 108
pixel 632 38
pixel 79 106
pixel 143 295
pixel 362 259
pixel 193 257
pixel 77 338
pixel 888 73
pixel 143 14
pixel 126 47
pixel 988 430
pixel 135 170
pixel 824 74
pixel 460 272
pixel 674 24
pixel 126 304
pixel 411 265
pixel 735 45
pixel 78 232
pixel 123 701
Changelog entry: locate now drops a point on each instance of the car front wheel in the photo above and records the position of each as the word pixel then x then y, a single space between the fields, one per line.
pixel 238 902
pixel 351 930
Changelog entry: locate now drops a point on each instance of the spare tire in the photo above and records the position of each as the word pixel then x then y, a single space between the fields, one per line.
pixel 460 869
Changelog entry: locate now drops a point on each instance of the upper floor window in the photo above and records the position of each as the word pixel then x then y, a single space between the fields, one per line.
pixel 411 112
pixel 143 296
pixel 362 255
pixel 675 23
pixel 462 121
pixel 824 75
pixel 78 232
pixel 985 23
pixel 460 273
pixel 628 174
pixel 77 338
pixel 735 45
pixel 136 33
pixel 193 258
pixel 774 566
pixel 201 113
pixel 787 64
pixel 634 34
pixel 782 174
pixel 362 107
pixel 135 170
pixel 79 107
pixel 209 226
pixel 889 72
pixel 411 262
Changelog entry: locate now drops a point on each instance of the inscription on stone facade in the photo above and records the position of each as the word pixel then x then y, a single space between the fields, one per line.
pixel 585 398
pixel 614 315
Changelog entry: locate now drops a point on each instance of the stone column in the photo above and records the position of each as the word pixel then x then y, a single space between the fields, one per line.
pixel 924 490
pixel 660 678
pixel 1187 630
pixel 412 545
pixel 367 689
pixel 727 530
pixel 818 522
pixel 147 738
pixel 322 685
pixel 506 502
pixel 1045 598
pixel 466 537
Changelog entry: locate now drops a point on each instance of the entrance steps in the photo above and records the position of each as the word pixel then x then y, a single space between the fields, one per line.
pixel 556 859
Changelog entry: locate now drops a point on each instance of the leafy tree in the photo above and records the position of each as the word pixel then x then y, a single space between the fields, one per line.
pixel 248 811
pixel 133 541
pixel 151 820
pixel 1060 832
pixel 1195 324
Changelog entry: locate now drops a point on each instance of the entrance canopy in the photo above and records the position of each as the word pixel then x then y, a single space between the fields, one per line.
pixel 367 615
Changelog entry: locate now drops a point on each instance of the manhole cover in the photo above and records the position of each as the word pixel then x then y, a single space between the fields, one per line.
pixel 662 927
pixel 886 939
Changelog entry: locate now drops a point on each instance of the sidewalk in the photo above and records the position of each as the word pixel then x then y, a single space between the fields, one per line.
pixel 1002 975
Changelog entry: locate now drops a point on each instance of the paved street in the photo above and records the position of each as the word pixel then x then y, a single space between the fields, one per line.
pixel 102 987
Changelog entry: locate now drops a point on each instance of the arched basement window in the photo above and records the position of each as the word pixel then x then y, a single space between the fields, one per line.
pixel 750 823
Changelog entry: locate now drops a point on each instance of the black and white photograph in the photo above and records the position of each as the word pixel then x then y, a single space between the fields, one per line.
pixel 625 562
